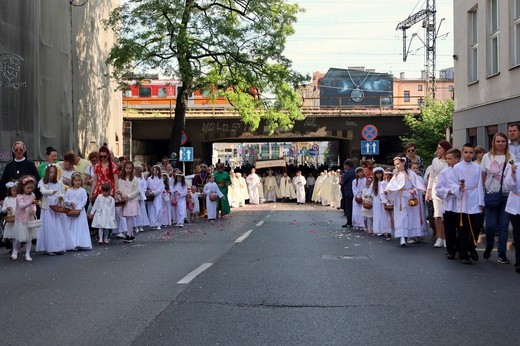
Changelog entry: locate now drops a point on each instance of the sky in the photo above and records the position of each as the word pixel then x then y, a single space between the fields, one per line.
pixel 343 33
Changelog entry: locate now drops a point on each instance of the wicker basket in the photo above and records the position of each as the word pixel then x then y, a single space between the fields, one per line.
pixel 35 223
pixel 150 198
pixel 413 202
pixel 74 213
pixel 120 203
pixel 359 199
pixel 9 218
pixel 59 209
pixel 213 197
pixel 367 203
pixel 389 207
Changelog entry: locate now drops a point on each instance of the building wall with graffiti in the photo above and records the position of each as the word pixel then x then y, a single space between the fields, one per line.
pixel 54 84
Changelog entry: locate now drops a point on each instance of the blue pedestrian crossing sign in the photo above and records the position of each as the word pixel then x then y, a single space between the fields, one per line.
pixel 186 154
pixel 370 147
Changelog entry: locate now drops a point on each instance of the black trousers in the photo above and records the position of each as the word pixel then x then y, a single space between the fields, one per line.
pixel 515 222
pixel 450 227
pixel 347 207
pixel 467 233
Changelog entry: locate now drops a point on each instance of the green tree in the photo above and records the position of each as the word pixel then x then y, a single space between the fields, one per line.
pixel 429 127
pixel 225 47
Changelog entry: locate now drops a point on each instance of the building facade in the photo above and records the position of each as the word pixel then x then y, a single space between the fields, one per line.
pixel 487 69
pixel 55 88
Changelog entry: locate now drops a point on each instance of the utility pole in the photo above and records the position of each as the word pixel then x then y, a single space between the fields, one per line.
pixel 427 16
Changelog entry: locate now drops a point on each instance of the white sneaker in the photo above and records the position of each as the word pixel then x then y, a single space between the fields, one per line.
pixel 411 241
pixel 121 236
pixel 141 229
pixel 438 243
pixel 136 230
pixel 158 228
pixel 444 243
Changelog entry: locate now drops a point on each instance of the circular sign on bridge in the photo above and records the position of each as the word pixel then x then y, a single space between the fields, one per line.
pixel 184 138
pixel 369 132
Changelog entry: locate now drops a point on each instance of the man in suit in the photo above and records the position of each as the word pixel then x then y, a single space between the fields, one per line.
pixel 348 176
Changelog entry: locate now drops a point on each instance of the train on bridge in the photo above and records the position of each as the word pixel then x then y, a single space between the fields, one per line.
pixel 162 94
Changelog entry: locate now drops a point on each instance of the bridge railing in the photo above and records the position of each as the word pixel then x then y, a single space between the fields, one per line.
pixel 334 107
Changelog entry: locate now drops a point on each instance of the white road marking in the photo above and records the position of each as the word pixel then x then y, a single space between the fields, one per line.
pixel 243 236
pixel 260 223
pixel 188 278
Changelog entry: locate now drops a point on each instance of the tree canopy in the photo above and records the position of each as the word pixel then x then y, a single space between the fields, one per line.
pixel 429 127
pixel 229 47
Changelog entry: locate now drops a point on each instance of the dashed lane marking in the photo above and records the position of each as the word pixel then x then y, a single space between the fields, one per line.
pixel 243 236
pixel 260 223
pixel 188 278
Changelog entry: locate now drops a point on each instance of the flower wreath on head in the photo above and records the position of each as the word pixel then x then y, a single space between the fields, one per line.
pixel 75 174
pixel 49 165
pixel 379 169
pixel 11 184
pixel 27 180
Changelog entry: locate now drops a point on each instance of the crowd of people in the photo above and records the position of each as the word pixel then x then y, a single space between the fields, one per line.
pixel 63 206
pixel 464 191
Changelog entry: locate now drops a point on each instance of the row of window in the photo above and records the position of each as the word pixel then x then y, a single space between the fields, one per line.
pixel 493 38
pixel 146 92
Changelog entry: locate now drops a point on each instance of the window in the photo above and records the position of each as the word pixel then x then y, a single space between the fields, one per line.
pixel 473 46
pixel 516 33
pixel 494 31
pixel 161 92
pixel 419 87
pixel 472 136
pixel 406 96
pixel 145 92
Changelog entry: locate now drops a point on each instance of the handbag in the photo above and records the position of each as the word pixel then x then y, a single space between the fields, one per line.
pixel 492 199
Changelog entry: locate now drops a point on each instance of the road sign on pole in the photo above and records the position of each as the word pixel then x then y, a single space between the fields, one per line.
pixel 370 147
pixel 369 132
pixel 186 154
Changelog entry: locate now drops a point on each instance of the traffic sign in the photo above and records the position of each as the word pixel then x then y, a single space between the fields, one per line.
pixel 186 154
pixel 369 132
pixel 184 138
pixel 370 147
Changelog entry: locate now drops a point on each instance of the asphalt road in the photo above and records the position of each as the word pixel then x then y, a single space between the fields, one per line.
pixel 272 274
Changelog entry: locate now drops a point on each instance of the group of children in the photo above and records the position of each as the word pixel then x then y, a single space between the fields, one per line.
pixel 67 217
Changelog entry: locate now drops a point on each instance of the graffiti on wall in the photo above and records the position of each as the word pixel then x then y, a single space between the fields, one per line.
pixel 216 126
pixel 10 66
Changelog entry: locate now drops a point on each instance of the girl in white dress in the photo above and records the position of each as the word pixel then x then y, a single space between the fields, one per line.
pixel 129 190
pixel 210 189
pixel 104 214
pixel 51 236
pixel 386 221
pixel 9 207
pixel 141 220
pixel 409 220
pixel 155 187
pixel 368 213
pixel 25 207
pixel 194 200
pixel 378 209
pixel 179 193
pixel 358 184
pixel 166 197
pixel 76 199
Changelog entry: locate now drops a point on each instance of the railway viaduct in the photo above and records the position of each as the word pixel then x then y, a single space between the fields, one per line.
pixel 146 135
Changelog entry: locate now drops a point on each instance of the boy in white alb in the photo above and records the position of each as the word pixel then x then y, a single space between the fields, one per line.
pixel 470 199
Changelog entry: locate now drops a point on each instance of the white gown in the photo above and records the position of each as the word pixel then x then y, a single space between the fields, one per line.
pixel 156 186
pixel 51 235
pixel 357 189
pixel 211 206
pixel 78 225
pixel 408 221
pixel 253 184
pixel 104 211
